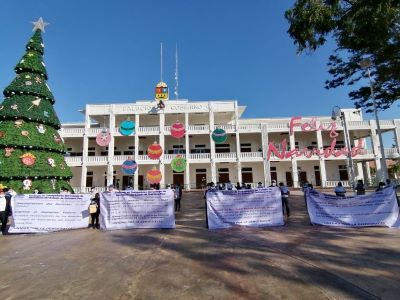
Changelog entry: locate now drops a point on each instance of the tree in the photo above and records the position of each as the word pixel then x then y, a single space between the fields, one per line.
pixel 395 169
pixel 362 29
pixel 31 149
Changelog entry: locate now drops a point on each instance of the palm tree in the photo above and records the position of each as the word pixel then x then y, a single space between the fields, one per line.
pixel 395 169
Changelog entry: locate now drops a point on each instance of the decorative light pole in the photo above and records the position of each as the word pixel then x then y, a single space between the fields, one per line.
pixel 338 113
pixel 365 64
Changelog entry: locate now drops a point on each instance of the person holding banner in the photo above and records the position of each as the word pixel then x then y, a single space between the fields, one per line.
pixel 94 210
pixel 285 199
pixel 340 191
pixel 5 209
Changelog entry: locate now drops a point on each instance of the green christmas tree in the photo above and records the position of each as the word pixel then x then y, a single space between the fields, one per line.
pixel 31 149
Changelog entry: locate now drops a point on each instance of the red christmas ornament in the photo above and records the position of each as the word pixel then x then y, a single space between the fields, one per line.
pixel 154 151
pixel 178 130
pixel 153 176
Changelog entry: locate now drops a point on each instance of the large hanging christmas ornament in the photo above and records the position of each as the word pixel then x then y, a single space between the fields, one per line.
pixel 127 127
pixel 219 136
pixel 178 130
pixel 178 164
pixel 154 151
pixel 28 159
pixel 103 138
pixel 153 176
pixel 129 167
pixel 8 151
pixel 27 183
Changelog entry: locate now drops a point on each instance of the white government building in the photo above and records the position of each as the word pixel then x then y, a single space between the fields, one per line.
pixel 253 152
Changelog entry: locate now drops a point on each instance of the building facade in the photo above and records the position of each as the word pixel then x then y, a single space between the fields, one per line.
pixel 291 150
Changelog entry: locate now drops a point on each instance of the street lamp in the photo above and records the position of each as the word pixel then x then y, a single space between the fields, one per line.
pixel 338 113
pixel 365 64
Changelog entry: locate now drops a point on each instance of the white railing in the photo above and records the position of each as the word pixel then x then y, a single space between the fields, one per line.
pixel 87 190
pixel 200 156
pixel 73 160
pixel 227 127
pixel 145 157
pixel 93 131
pixel 278 125
pixel 172 156
pixel 366 151
pixel 249 127
pixel 386 123
pixel 96 159
pixel 251 154
pixel 334 183
pixel 358 123
pixel 167 129
pixel 198 128
pixel 391 151
pixel 228 155
pixel 72 131
pixel 122 158
pixel 149 129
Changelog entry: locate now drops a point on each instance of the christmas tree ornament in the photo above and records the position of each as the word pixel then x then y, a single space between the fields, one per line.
pixel 53 182
pixel 38 80
pixel 57 138
pixel 178 130
pixel 103 138
pixel 22 61
pixel 27 183
pixel 178 164
pixel 51 162
pixel 2 134
pixel 129 167
pixel 154 151
pixel 1 107
pixel 40 128
pixel 27 76
pixel 36 103
pixel 39 25
pixel 153 176
pixel 25 133
pixel 28 159
pixel 8 151
pixel 127 127
pixel 14 107
pixel 28 83
pixel 219 136
pixel 46 114
pixel 18 123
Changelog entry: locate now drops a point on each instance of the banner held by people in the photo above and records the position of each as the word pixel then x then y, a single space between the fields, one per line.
pixel 376 209
pixel 34 213
pixel 253 208
pixel 137 209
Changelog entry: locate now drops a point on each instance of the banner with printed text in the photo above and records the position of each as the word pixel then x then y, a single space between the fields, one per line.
pixel 49 212
pixel 376 209
pixel 253 208
pixel 137 209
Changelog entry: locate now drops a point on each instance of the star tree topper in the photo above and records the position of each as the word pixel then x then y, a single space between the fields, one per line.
pixel 39 24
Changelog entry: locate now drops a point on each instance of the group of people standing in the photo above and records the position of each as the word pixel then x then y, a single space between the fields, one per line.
pixel 340 190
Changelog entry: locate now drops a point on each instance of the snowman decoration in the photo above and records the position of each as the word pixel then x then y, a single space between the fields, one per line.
pixel 51 162
pixel 40 128
pixel 27 183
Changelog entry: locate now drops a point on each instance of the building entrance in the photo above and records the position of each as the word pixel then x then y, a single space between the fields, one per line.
pixel 178 178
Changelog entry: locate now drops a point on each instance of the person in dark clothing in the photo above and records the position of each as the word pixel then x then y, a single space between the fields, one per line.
pixel 178 196
pixel 381 186
pixel 360 188
pixel 285 199
pixel 94 209
pixel 5 209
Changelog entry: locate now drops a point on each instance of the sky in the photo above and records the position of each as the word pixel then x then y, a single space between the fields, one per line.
pixel 103 51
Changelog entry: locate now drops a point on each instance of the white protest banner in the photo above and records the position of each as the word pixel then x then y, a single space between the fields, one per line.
pixel 376 209
pixel 137 209
pixel 253 208
pixel 49 212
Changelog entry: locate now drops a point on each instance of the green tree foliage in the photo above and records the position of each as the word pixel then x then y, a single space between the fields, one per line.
pixel 30 146
pixel 362 29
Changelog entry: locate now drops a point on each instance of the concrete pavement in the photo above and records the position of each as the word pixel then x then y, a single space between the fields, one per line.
pixel 296 261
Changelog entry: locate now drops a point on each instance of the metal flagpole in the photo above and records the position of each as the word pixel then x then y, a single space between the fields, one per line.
pixel 176 72
pixel 161 56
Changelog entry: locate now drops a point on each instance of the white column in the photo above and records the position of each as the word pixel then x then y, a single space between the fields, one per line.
pixel 83 177
pixel 376 150
pixel 110 158
pixel 239 172
pixel 322 168
pixel 85 148
pixel 187 152
pixel 397 133
pixel 162 143
pixel 136 176
pixel 212 144
pixel 267 164
pixel 295 173
pixel 369 179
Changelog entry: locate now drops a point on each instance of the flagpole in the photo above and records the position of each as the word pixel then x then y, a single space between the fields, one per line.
pixel 176 72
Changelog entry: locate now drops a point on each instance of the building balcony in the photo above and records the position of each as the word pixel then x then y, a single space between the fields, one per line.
pixel 73 161
pixel 392 153
pixel 251 156
pixel 249 128
pixel 72 132
pixel 229 128
pixel 229 156
pixel 199 157
pixel 193 129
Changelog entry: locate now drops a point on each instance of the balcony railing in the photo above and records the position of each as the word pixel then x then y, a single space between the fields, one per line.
pixel 392 151
pixel 96 159
pixel 251 154
pixel 149 129
pixel 334 183
pixel 172 156
pixel 229 155
pixel 72 131
pixel 73 160
pixel 200 156
pixel 249 127
pixel 194 128
pixel 226 127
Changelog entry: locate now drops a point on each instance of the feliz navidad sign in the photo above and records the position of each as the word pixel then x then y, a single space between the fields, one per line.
pixel 310 126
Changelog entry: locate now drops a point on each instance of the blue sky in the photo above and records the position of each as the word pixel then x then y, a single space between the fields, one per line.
pixel 100 51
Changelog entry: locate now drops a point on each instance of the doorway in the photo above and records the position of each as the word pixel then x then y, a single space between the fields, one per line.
pixel 127 181
pixel 140 182
pixel 201 180
pixel 289 179
pixel 178 178
pixel 303 177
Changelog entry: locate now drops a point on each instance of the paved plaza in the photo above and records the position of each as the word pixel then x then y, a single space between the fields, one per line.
pixel 296 261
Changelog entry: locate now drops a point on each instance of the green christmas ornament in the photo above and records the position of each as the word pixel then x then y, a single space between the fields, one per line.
pixel 219 136
pixel 178 164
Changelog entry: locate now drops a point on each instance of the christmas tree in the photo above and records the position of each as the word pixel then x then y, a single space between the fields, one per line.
pixel 31 149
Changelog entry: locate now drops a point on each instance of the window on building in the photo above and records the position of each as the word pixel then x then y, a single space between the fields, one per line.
pixel 222 148
pixel 177 149
pixel 343 173
pixel 128 152
pixel 245 147
pixel 104 153
pixel 199 149
pixel 89 173
pixel 117 152
pixel 131 147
